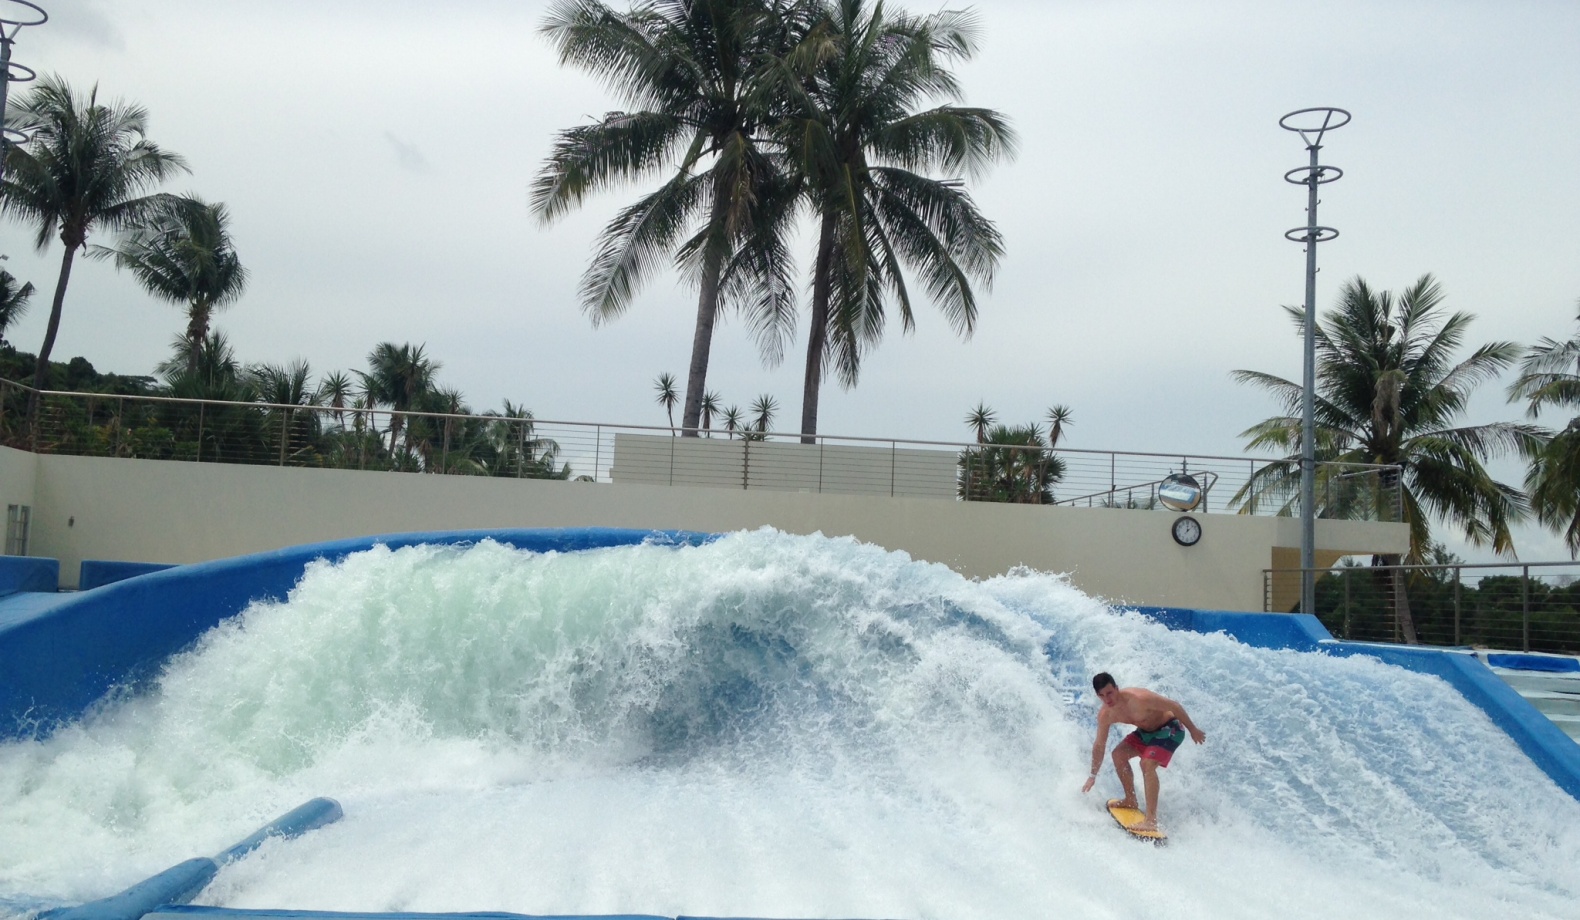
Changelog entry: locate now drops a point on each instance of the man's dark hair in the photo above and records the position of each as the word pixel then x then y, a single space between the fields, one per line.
pixel 1101 680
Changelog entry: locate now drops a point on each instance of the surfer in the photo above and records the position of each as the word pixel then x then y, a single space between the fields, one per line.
pixel 1161 724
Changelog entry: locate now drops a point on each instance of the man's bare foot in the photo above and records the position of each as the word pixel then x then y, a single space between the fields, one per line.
pixel 1147 824
pixel 1122 803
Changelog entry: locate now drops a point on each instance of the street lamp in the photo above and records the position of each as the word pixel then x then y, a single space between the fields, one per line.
pixel 1311 124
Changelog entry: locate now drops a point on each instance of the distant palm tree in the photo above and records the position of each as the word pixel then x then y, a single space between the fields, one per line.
pixel 710 408
pixel 1550 377
pixel 697 72
pixel 667 397
pixel 185 255
pixel 1013 464
pixel 764 409
pixel 866 145
pixel 398 377
pixel 981 419
pixel 1058 417
pixel 85 166
pixel 13 301
pixel 1388 390
pixel 336 391
pixel 734 420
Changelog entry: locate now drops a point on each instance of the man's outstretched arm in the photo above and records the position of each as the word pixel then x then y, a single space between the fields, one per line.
pixel 1104 723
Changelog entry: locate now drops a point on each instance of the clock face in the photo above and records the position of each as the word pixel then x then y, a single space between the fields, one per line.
pixel 1187 530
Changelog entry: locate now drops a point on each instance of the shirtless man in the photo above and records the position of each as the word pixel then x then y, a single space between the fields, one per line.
pixel 1160 723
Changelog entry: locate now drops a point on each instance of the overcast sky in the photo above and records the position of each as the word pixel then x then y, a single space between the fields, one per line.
pixel 376 158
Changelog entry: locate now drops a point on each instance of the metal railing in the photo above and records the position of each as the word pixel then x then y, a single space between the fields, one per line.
pixel 1532 606
pixel 219 431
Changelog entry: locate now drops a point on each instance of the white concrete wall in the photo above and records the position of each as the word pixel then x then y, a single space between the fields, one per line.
pixel 159 511
pixel 777 466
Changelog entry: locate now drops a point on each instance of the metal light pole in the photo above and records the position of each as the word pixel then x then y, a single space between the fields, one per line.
pixel 11 71
pixel 1310 124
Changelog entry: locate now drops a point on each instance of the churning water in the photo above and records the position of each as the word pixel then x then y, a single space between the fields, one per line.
pixel 769 725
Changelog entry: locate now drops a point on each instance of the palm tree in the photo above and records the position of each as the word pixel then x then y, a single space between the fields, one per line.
pixel 1388 391
pixel 184 255
pixel 866 148
pixel 398 377
pixel 335 390
pixel 710 407
pixel 764 409
pixel 981 419
pixel 13 301
pixel 1550 376
pixel 1058 418
pixel 696 73
pixel 734 420
pixel 86 166
pixel 1013 464
pixel 667 397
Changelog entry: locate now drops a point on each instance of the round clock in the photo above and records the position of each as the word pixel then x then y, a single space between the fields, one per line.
pixel 1187 530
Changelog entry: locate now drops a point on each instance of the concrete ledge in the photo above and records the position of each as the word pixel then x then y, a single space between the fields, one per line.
pixel 96 573
pixel 57 662
pixel 25 574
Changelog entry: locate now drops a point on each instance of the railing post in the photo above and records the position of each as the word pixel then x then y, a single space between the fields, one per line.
pixel 120 423
pixel 1457 573
pixel 201 407
pixel 1345 631
pixel 598 451
pixel 285 421
pixel 894 456
pixel 444 451
pixel 822 446
pixel 1525 609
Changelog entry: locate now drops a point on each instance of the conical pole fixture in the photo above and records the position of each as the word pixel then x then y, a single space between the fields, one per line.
pixel 14 16
pixel 1311 124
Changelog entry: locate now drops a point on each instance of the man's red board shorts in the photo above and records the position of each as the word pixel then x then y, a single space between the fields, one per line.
pixel 1158 745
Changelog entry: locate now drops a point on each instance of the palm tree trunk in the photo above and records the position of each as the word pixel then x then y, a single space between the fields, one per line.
pixel 1394 584
pixel 817 329
pixel 197 334
pixel 41 371
pixel 707 312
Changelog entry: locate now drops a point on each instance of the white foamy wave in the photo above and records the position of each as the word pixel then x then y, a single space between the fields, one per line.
pixel 768 725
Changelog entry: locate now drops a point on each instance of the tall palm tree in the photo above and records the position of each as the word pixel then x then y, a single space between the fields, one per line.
pixel 696 73
pixel 884 175
pixel 336 391
pixel 667 397
pixel 1388 391
pixel 1550 377
pixel 86 166
pixel 185 255
pixel 398 377
pixel 13 300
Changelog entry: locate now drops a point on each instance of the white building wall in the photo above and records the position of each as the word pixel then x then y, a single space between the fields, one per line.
pixel 161 511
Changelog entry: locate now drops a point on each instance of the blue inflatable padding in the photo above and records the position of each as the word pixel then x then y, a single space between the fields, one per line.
pixel 222 913
pixel 176 885
pixel 1299 631
pixel 1542 741
pixel 20 574
pixel 98 572
pixel 1554 663
pixel 309 815
pixel 59 661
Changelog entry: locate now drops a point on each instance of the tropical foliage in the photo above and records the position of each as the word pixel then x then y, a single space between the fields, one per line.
pixel 1012 463
pixel 1389 389
pixel 184 255
pixel 86 166
pixel 696 74
pixel 883 172
pixel 395 418
pixel 1550 379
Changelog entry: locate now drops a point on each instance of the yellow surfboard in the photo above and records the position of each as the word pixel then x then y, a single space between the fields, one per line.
pixel 1128 818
